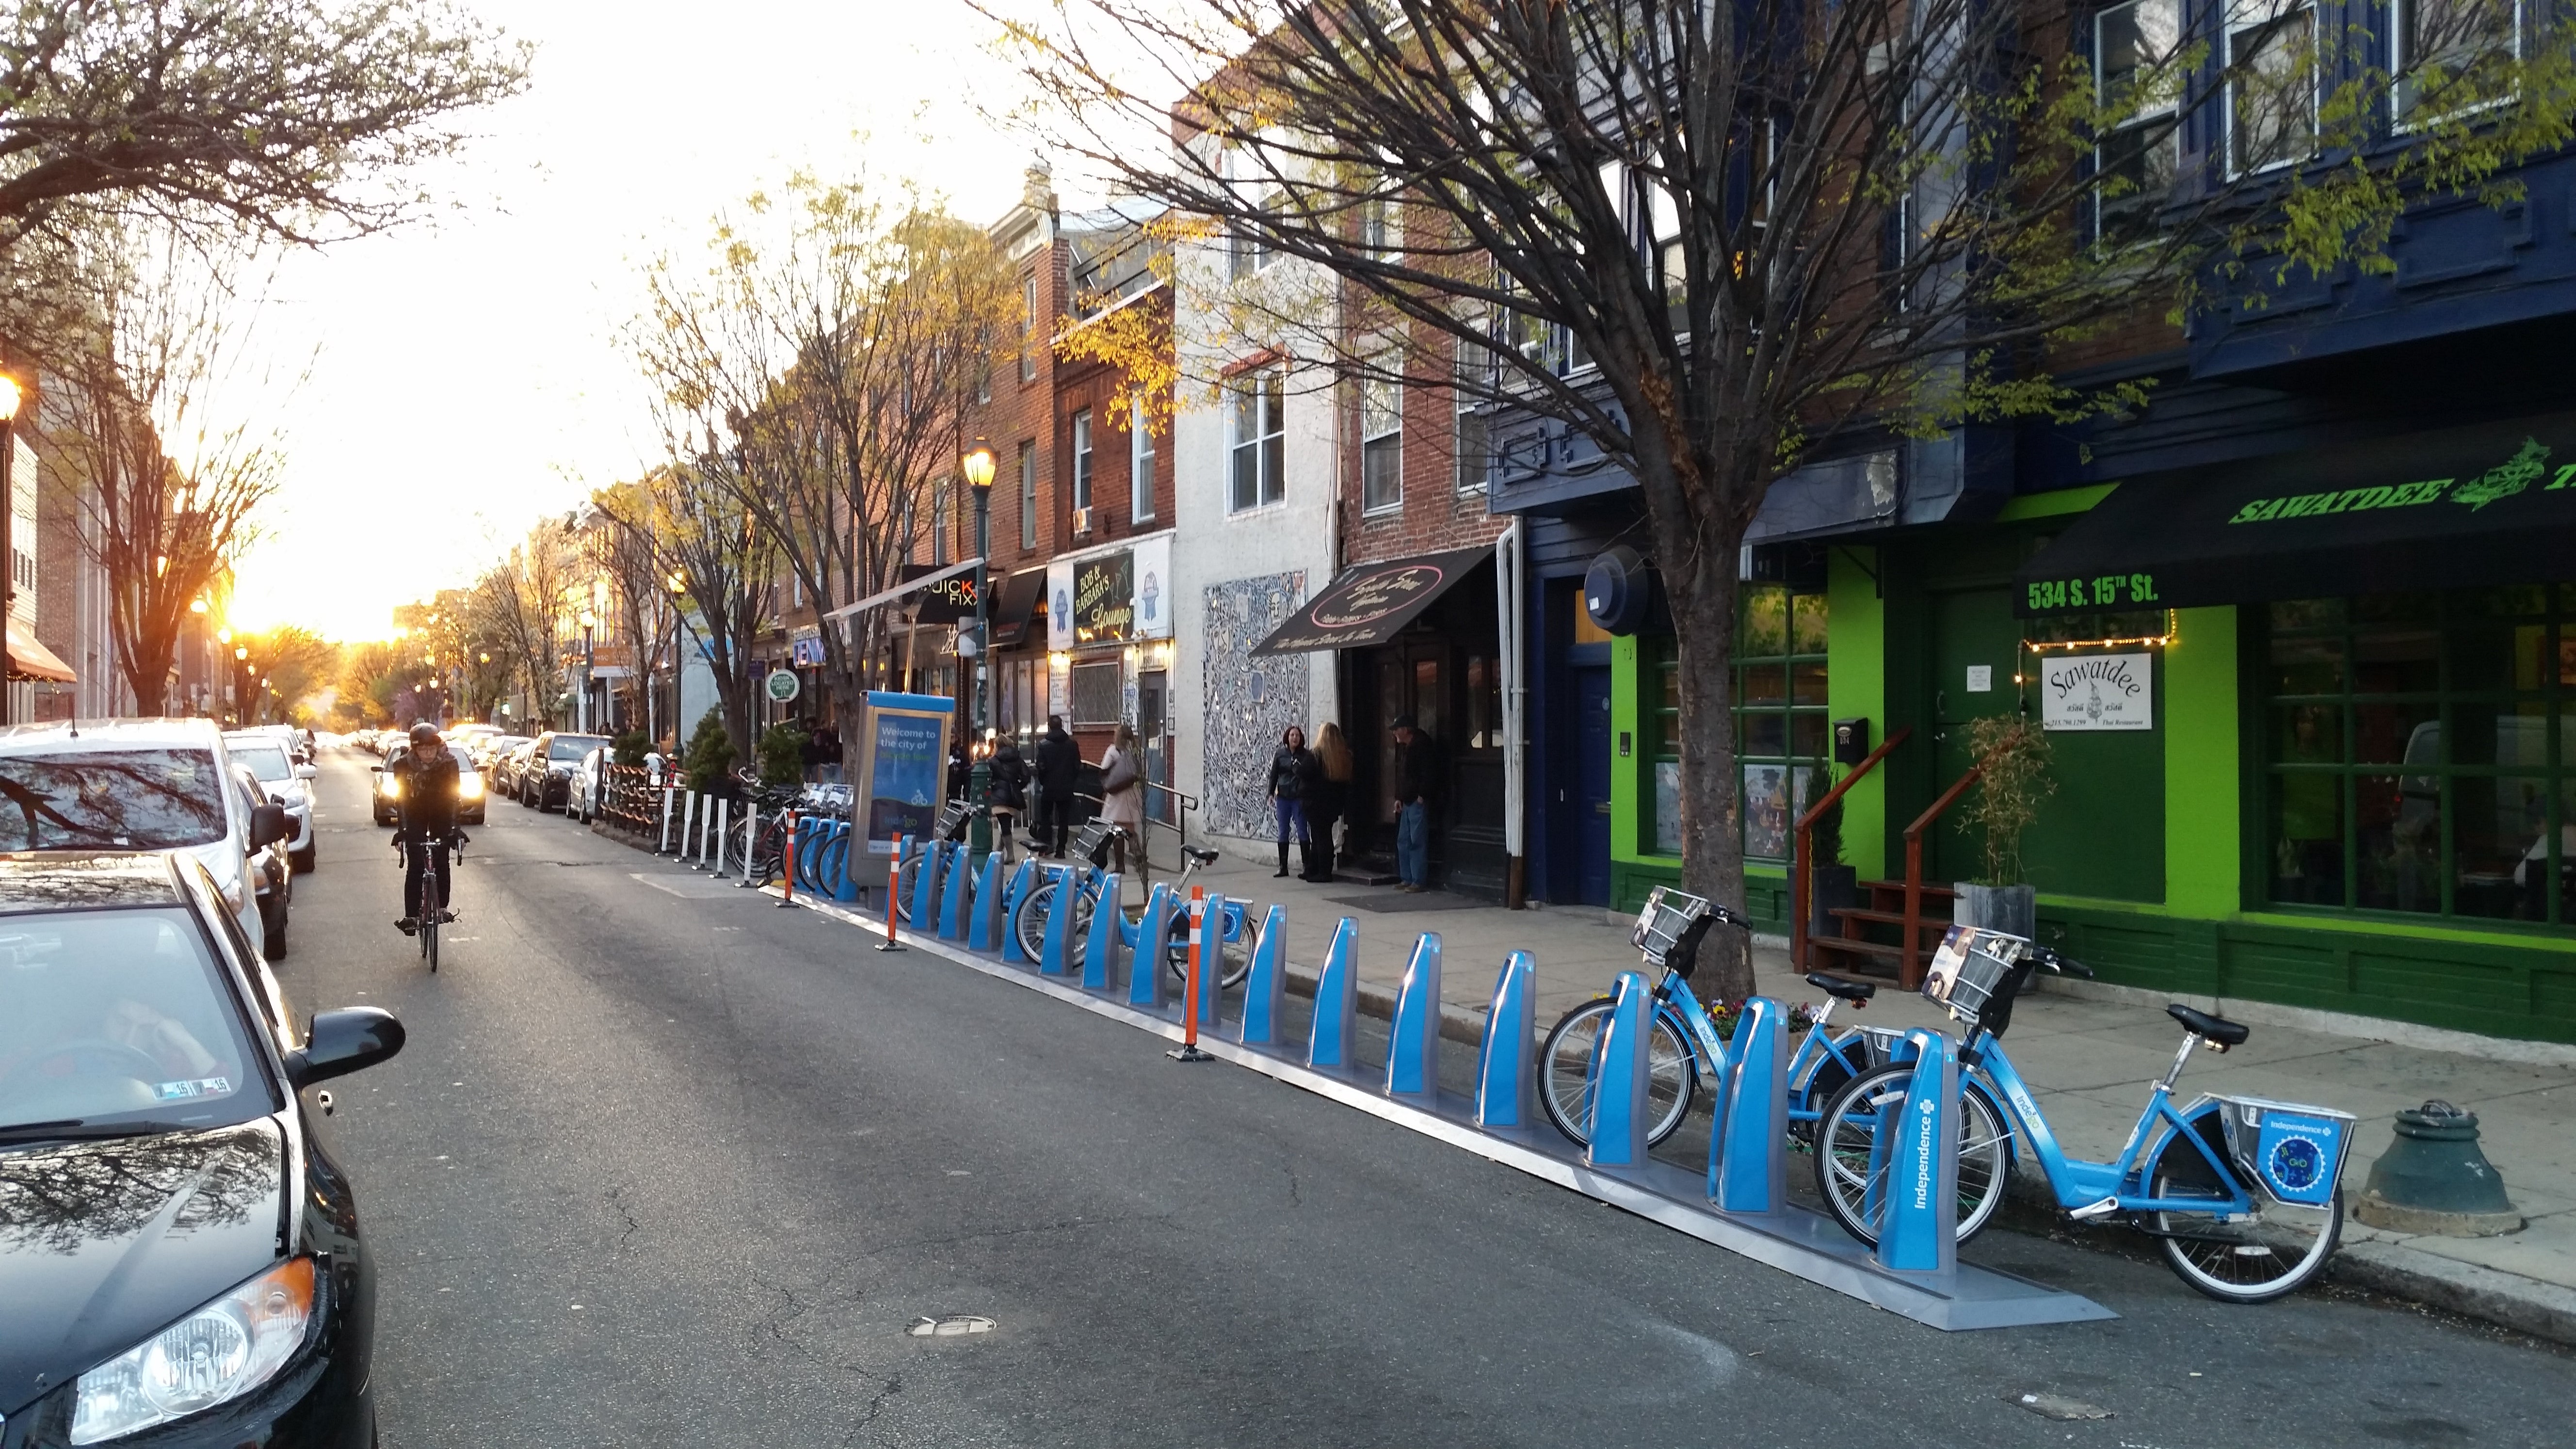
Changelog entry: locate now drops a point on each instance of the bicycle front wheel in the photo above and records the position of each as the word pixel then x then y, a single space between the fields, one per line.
pixel 1234 957
pixel 765 852
pixel 905 878
pixel 1565 1073
pixel 1852 1176
pixel 1030 922
pixel 429 939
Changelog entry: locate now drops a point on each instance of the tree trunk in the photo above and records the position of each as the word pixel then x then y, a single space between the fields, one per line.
pixel 1702 591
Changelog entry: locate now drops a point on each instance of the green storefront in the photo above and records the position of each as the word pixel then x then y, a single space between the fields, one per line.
pixel 2312 722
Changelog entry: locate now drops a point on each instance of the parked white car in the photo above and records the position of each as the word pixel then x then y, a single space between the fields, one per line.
pixel 289 782
pixel 136 784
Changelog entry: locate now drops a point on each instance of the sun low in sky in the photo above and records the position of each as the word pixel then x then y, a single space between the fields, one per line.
pixel 466 374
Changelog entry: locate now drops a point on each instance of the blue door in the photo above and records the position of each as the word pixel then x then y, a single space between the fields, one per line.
pixel 1591 804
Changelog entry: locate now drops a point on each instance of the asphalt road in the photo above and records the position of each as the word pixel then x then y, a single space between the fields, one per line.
pixel 666 1164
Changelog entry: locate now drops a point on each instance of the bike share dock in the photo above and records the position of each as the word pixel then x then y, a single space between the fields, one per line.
pixel 1913 1272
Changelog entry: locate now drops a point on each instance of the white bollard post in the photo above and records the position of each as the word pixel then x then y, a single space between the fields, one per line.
pixel 698 807
pixel 750 833
pixel 724 831
pixel 664 845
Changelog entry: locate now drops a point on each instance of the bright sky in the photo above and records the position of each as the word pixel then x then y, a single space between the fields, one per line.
pixel 478 359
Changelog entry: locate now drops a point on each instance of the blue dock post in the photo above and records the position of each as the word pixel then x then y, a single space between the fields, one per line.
pixel 925 886
pixel 1748 1164
pixel 845 886
pixel 1413 1037
pixel 1503 1059
pixel 1147 963
pixel 985 933
pixel 1618 1079
pixel 1100 954
pixel 1059 924
pixel 1023 881
pixel 1337 1000
pixel 1211 961
pixel 1918 1232
pixel 953 895
pixel 1265 988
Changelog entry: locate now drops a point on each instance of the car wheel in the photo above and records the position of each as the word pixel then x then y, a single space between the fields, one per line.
pixel 302 860
pixel 273 943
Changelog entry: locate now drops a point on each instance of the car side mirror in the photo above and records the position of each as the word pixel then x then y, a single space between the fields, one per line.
pixel 267 825
pixel 342 1042
pixel 306 772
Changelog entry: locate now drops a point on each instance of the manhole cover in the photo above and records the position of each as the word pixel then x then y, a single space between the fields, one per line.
pixel 955 1325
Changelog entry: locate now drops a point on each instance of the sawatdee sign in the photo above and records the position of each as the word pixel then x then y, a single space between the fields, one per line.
pixel 2097 691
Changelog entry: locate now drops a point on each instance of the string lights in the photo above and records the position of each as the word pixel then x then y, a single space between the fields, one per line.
pixel 2170 636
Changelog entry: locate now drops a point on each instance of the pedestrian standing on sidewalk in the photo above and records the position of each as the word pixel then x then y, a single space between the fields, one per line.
pixel 1122 793
pixel 1328 797
pixel 1058 760
pixel 1417 782
pixel 1007 792
pixel 1291 770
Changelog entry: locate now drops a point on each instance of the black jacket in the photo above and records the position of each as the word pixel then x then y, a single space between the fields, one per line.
pixel 428 799
pixel 1417 770
pixel 1009 776
pixel 1292 772
pixel 1058 758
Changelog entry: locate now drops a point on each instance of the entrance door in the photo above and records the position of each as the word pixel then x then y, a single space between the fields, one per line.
pixel 1591 776
pixel 1152 726
pixel 1976 647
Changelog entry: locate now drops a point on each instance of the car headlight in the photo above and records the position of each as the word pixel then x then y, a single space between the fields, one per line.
pixel 389 787
pixel 222 1351
pixel 470 787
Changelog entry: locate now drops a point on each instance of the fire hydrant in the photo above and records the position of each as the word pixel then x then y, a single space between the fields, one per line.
pixel 2434 1179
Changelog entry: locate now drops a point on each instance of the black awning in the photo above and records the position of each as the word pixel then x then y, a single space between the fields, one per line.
pixel 1017 599
pixel 1371 603
pixel 2460 508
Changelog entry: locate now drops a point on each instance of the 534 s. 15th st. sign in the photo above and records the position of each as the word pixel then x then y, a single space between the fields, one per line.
pixel 2103 591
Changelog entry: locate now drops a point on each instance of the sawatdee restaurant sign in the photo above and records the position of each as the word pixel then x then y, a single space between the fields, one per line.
pixel 2097 691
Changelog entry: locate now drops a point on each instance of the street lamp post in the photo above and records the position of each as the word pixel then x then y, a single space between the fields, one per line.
pixel 979 779
pixel 241 685
pixel 9 399
pixel 589 661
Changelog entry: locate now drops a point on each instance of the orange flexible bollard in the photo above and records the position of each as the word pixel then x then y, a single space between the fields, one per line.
pixel 894 879
pixel 787 864
pixel 1188 1050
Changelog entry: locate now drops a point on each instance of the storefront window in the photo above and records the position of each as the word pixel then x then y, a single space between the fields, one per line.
pixel 1783 732
pixel 2417 753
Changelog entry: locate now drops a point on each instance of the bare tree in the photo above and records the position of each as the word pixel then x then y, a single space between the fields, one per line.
pixel 169 489
pixel 830 370
pixel 1720 241
pixel 280 116
pixel 519 605
pixel 721 561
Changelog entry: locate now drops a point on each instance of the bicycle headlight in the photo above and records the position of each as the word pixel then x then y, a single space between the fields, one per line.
pixel 222 1351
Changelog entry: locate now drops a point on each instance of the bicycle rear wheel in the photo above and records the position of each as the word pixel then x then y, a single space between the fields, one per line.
pixel 2274 1255
pixel 766 849
pixel 1853 1182
pixel 1565 1072
pixel 1235 955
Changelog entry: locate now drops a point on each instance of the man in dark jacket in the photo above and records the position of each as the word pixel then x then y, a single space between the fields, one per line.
pixel 1058 760
pixel 427 779
pixel 1007 794
pixel 1417 783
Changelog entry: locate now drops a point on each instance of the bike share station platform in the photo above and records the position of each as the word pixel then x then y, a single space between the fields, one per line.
pixel 1740 1203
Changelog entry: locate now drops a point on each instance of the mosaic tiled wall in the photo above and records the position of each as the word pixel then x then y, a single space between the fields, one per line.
pixel 1249 701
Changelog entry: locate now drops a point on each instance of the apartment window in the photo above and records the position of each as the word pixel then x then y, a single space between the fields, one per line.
pixel 1029 328
pixel 2447 53
pixel 2417 753
pixel 939 525
pixel 1140 462
pixel 1082 459
pixel 1095 693
pixel 1381 440
pixel 22 567
pixel 1783 735
pixel 1251 254
pixel 1470 443
pixel 2272 98
pixel 1377 226
pixel 1028 495
pixel 2135 164
pixel 1256 438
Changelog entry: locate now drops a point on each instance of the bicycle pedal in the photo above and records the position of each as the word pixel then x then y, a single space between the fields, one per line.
pixel 2092 1210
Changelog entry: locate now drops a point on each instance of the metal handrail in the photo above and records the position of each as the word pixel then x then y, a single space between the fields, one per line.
pixel 1910 973
pixel 1802 883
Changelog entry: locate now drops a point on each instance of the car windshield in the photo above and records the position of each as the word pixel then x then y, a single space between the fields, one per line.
pixel 268 762
pixel 572 747
pixel 118 1015
pixel 140 799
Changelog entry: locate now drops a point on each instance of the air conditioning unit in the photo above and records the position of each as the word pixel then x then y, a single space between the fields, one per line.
pixel 1082 523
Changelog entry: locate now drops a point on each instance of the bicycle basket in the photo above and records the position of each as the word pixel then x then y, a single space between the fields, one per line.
pixel 1971 964
pixel 1091 841
pixel 2292 1152
pixel 952 821
pixel 1670 927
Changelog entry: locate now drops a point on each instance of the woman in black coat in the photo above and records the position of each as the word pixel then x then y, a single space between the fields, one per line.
pixel 1292 773
pixel 1007 792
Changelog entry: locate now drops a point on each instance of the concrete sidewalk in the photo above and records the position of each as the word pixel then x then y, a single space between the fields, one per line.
pixel 2088 1059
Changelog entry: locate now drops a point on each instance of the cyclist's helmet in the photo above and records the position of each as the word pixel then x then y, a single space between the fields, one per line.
pixel 423 732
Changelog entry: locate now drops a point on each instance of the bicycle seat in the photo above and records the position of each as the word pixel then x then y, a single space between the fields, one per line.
pixel 1851 991
pixel 2216 1028
pixel 1203 857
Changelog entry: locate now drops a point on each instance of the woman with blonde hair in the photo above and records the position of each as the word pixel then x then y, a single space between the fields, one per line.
pixel 1122 793
pixel 1327 798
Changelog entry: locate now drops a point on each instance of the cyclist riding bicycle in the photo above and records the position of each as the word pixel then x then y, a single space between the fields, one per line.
pixel 427 777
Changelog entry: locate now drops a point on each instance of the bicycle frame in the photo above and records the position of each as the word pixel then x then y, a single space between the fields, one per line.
pixel 2091 1188
pixel 1709 1051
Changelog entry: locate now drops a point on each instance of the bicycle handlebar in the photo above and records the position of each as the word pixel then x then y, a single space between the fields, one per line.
pixel 2060 962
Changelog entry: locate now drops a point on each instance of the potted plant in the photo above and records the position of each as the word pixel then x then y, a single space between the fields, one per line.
pixel 1831 885
pixel 2012 750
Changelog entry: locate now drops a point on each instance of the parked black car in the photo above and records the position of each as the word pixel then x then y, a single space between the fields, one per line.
pixel 544 780
pixel 180 1256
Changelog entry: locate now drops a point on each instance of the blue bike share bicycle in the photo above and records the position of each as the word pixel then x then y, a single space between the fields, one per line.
pixel 2243 1196
pixel 1081 867
pixel 1684 1046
